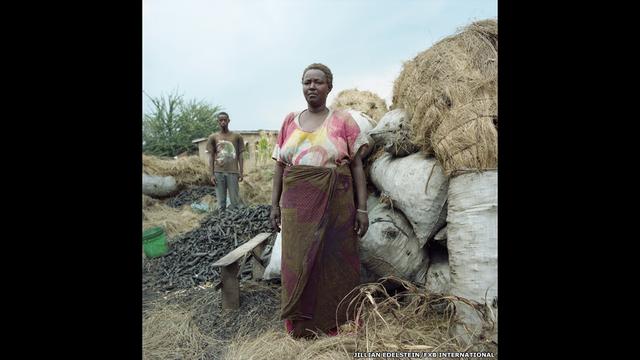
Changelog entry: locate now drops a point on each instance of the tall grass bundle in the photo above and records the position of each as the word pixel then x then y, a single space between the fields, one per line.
pixel 456 71
pixel 190 170
pixel 409 321
pixel 364 101
pixel 467 139
pixel 174 221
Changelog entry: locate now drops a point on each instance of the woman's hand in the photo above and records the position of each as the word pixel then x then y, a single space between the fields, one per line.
pixel 362 223
pixel 275 218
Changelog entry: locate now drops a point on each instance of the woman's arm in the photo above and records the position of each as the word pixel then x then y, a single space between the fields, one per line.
pixel 275 196
pixel 360 183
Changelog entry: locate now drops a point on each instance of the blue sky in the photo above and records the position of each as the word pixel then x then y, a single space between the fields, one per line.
pixel 248 55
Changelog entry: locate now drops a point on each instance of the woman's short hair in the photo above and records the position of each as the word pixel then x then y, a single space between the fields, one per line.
pixel 324 69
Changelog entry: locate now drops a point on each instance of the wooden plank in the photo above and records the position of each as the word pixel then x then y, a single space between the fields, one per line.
pixel 236 254
pixel 256 265
pixel 230 287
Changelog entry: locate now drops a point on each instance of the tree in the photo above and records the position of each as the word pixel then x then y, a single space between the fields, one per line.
pixel 174 123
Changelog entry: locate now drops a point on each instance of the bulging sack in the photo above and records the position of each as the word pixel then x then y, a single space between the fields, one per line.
pixel 392 133
pixel 390 247
pixel 158 186
pixel 417 186
pixel 472 243
pixel 366 124
pixel 472 235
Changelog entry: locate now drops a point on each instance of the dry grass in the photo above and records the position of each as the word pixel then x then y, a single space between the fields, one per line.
pixel 190 170
pixel 148 201
pixel 257 185
pixel 276 344
pixel 412 320
pixel 460 70
pixel 169 332
pixel 174 221
pixel 364 101
pixel 191 324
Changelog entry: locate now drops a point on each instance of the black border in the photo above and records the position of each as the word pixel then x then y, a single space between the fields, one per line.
pixel 91 125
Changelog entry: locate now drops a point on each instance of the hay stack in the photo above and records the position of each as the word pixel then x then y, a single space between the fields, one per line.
pixel 174 221
pixel 190 170
pixel 458 74
pixel 364 101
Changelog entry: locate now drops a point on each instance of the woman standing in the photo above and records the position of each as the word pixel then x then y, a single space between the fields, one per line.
pixel 318 165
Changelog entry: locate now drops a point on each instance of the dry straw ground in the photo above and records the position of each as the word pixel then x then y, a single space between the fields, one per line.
pixel 412 320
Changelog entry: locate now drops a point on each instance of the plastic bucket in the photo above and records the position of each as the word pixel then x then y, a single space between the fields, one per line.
pixel 154 242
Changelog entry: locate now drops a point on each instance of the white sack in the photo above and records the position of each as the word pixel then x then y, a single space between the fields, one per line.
pixel 405 181
pixel 390 247
pixel 366 124
pixel 272 270
pixel 472 242
pixel 158 186
pixel 392 133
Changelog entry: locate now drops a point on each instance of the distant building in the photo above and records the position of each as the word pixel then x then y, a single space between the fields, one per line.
pixel 252 156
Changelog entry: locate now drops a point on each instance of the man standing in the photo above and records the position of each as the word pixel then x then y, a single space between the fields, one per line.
pixel 225 148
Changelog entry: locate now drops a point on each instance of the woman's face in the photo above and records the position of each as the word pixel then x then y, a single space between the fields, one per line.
pixel 315 87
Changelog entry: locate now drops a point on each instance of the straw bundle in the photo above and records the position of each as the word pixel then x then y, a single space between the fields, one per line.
pixel 467 139
pixel 460 70
pixel 190 170
pixel 364 101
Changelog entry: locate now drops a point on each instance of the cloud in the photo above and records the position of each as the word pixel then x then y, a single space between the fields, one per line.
pixel 247 56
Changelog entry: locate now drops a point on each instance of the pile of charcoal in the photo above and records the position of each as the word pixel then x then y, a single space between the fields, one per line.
pixel 191 255
pixel 190 195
